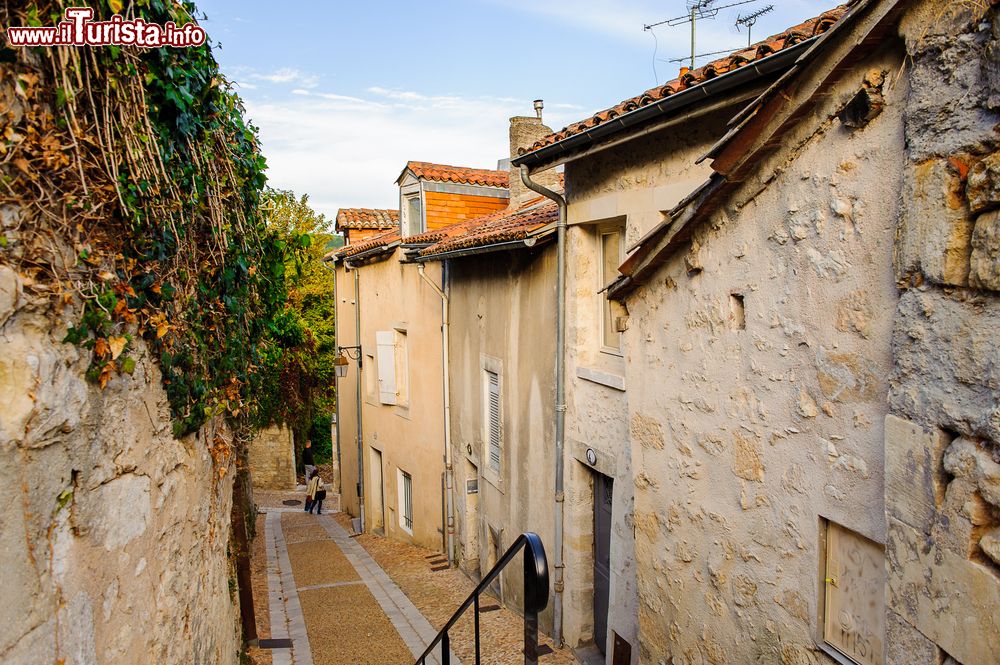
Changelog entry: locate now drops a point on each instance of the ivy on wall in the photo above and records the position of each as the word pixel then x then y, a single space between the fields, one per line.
pixel 142 161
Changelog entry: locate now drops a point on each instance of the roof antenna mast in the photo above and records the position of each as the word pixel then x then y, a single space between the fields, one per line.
pixel 750 19
pixel 697 9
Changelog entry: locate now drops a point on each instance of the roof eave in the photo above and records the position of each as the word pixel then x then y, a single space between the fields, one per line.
pixel 371 253
pixel 565 150
pixel 532 240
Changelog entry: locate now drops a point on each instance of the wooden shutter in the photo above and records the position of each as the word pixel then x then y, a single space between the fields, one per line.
pixel 386 360
pixel 493 424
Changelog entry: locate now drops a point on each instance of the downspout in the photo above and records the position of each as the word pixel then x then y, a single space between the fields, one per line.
pixel 445 371
pixel 336 404
pixel 558 565
pixel 357 338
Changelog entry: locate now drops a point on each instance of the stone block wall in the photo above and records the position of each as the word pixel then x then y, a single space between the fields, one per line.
pixel 113 534
pixel 272 459
pixel 942 439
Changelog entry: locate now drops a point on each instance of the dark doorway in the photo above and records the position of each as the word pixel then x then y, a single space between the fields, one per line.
pixel 603 490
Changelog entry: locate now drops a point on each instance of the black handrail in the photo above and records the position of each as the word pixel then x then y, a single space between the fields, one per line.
pixel 536 597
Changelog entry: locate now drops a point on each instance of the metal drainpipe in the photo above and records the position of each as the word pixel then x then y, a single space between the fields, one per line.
pixel 336 410
pixel 445 369
pixel 558 565
pixel 357 338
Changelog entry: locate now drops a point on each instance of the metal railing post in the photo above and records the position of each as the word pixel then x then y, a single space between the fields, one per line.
pixel 476 604
pixel 536 597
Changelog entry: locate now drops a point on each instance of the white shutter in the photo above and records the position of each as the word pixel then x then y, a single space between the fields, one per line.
pixel 493 406
pixel 386 361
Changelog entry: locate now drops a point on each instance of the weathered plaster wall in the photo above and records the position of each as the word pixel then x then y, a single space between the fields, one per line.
pixel 641 180
pixel 113 535
pixel 272 459
pixel 943 440
pixel 633 187
pixel 409 434
pixel 763 352
pixel 347 403
pixel 597 419
pixel 503 312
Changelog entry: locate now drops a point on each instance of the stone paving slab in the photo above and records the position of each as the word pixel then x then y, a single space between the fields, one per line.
pixel 412 626
pixel 340 616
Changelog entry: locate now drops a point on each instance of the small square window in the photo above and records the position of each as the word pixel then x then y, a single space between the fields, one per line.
pixel 853 606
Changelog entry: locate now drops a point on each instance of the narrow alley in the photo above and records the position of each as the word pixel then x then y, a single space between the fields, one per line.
pixel 325 596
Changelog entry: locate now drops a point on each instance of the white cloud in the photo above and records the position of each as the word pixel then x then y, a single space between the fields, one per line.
pixel 284 75
pixel 347 151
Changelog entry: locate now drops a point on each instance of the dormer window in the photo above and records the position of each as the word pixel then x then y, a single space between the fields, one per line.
pixel 413 222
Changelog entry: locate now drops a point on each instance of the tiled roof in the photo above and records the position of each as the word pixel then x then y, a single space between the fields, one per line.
pixel 689 78
pixel 366 218
pixel 503 226
pixel 458 174
pixel 381 240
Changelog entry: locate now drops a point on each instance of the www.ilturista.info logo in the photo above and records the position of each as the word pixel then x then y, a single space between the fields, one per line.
pixel 79 30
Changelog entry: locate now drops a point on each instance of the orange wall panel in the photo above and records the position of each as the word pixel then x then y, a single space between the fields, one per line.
pixel 444 209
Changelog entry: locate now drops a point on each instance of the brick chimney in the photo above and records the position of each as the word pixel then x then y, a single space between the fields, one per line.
pixel 524 131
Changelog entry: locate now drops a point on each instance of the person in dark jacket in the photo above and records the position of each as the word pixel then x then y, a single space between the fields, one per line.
pixel 307 460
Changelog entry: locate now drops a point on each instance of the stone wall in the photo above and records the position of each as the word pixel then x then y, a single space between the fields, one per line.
pixel 942 442
pixel 272 459
pixel 757 364
pixel 113 534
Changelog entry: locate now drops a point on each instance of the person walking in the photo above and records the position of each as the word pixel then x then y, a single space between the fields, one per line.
pixel 318 494
pixel 312 489
pixel 307 460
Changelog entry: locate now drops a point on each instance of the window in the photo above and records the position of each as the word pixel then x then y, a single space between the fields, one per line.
pixel 853 606
pixel 611 258
pixel 406 501
pixel 413 222
pixel 386 355
pixel 493 431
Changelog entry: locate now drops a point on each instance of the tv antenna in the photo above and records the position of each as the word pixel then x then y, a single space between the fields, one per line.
pixel 697 10
pixel 750 19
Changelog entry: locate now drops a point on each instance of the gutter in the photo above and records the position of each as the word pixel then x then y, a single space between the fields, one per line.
pixel 560 495
pixel 561 151
pixel 449 473
pixel 530 241
pixel 360 256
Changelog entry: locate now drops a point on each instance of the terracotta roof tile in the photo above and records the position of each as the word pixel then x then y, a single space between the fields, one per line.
pixel 688 78
pixel 381 240
pixel 503 226
pixel 458 174
pixel 366 218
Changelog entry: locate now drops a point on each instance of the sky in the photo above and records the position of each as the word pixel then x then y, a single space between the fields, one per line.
pixel 345 93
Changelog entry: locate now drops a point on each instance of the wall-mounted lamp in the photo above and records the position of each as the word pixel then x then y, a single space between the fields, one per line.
pixel 340 363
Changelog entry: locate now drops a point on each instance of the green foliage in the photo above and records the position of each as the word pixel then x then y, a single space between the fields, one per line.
pixel 322 442
pixel 160 190
pixel 299 361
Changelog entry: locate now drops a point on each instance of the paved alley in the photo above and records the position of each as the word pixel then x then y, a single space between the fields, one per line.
pixel 339 603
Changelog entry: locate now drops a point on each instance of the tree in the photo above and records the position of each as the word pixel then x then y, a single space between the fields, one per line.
pixel 301 391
